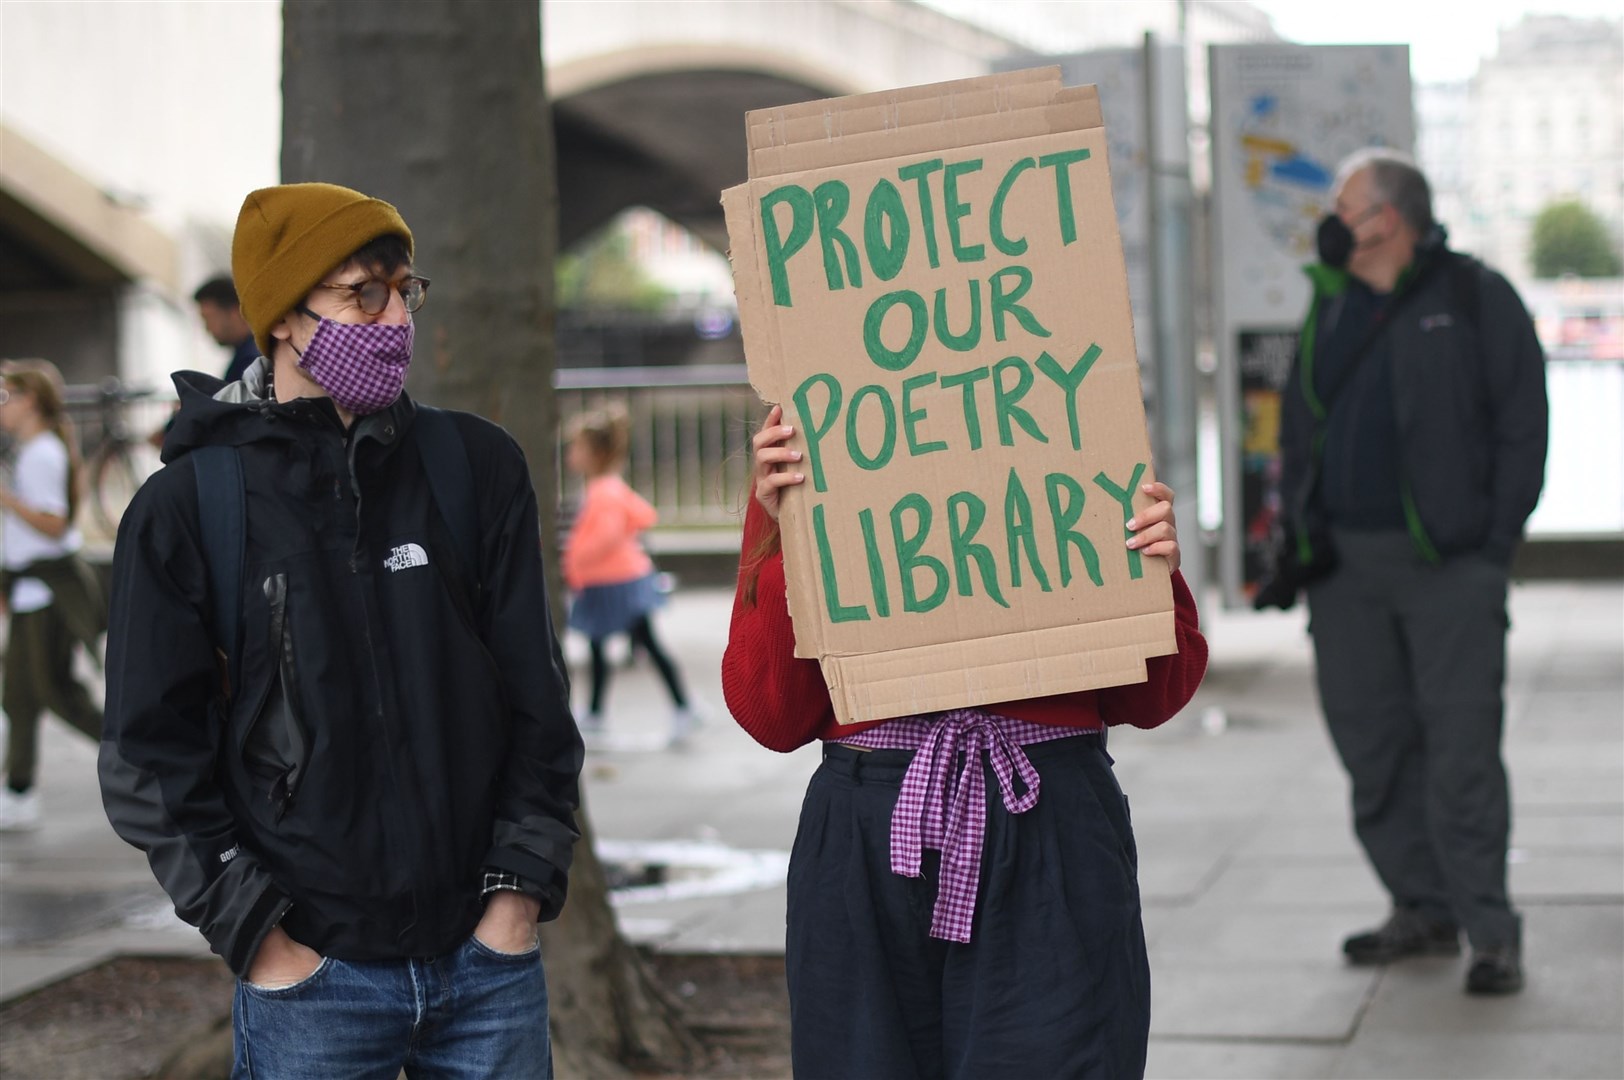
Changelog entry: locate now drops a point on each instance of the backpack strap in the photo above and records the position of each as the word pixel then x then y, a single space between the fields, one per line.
pixel 222 520
pixel 451 482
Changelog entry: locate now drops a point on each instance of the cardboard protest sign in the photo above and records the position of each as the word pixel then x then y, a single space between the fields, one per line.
pixel 931 282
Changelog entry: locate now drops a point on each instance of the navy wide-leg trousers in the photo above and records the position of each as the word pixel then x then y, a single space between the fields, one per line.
pixel 1055 981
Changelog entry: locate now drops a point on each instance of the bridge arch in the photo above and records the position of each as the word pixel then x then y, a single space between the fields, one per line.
pixel 663 127
pixel 648 107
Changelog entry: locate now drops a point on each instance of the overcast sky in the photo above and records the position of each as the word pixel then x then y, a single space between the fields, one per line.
pixel 1447 38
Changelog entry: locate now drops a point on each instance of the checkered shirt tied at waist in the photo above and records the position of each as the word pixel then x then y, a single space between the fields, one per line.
pixel 947 812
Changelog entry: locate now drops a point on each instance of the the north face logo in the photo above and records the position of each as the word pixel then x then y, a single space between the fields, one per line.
pixel 405 557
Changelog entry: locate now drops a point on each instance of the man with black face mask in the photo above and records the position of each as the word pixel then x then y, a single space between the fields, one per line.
pixel 1413 444
pixel 337 718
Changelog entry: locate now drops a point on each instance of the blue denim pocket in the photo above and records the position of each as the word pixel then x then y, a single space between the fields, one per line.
pixel 343 1020
pixel 309 982
pixel 530 954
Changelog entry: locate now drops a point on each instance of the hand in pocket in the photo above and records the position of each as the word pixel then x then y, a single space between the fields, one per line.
pixel 509 923
pixel 282 962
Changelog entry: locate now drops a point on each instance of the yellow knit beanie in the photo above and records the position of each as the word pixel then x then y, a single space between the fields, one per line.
pixel 292 236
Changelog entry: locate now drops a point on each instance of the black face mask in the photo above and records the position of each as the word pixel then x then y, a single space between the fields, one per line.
pixel 1334 241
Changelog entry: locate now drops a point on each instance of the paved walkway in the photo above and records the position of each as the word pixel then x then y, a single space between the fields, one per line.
pixel 1249 871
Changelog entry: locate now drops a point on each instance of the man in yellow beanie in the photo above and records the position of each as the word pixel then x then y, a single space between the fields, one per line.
pixel 337 716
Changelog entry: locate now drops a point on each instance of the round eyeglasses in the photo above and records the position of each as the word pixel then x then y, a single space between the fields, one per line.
pixel 372 295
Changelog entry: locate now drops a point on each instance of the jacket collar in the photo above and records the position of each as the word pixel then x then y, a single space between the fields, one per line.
pixel 384 427
pixel 1329 281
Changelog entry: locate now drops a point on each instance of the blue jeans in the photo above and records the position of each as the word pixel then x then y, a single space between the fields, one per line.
pixel 473 1012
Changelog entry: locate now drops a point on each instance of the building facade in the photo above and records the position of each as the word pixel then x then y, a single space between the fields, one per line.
pixel 1547 124
pixel 1443 149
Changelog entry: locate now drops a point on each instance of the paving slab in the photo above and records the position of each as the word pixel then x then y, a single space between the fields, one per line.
pixel 1560 716
pixel 1485 1055
pixel 1538 876
pixel 1211 931
pixel 1273 882
pixel 1574 960
pixel 745 922
pixel 1596 831
pixel 1321 832
pixel 1178 878
pixel 1322 1000
pixel 1239 1059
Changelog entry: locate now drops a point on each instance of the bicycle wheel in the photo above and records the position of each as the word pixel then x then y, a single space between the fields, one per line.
pixel 117 470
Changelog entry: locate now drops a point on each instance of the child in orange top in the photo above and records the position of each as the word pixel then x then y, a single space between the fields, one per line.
pixel 610 574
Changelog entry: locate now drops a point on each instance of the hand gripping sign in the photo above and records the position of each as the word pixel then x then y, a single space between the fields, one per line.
pixel 931 282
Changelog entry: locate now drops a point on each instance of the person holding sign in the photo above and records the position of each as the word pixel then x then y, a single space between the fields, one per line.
pixel 963 895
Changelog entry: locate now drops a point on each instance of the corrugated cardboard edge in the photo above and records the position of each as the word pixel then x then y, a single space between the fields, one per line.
pixel 1056 660
pixel 758 318
pixel 763 350
pixel 846 135
pixel 902 95
pixel 781 149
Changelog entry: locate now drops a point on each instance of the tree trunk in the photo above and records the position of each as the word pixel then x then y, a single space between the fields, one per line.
pixel 439 107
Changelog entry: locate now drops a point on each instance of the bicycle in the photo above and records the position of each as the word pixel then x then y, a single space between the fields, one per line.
pixel 119 463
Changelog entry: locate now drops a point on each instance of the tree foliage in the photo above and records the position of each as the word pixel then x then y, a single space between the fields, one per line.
pixel 1570 238
pixel 601 274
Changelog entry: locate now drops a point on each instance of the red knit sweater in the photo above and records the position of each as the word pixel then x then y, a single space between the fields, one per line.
pixel 784 704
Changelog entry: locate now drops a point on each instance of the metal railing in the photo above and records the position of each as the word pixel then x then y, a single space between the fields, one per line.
pixel 690 443
pixel 690 439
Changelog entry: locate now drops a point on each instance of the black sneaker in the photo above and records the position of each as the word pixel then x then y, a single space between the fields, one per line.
pixel 1406 933
pixel 1495 970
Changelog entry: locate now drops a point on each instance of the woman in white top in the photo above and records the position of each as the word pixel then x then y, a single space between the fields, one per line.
pixel 39 536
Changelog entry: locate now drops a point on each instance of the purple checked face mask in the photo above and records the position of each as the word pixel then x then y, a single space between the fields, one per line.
pixel 362 366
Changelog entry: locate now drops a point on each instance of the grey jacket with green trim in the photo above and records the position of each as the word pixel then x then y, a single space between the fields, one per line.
pixel 1469 396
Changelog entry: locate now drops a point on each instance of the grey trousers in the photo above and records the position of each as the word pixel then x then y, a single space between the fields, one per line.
pixel 1411 664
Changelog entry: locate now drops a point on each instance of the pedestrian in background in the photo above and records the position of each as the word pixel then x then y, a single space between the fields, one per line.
pixel 935 935
pixel 54 600
pixel 606 567
pixel 1413 450
pixel 221 312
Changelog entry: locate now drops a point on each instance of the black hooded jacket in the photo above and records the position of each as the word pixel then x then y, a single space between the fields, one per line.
pixel 397 728
pixel 1468 398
